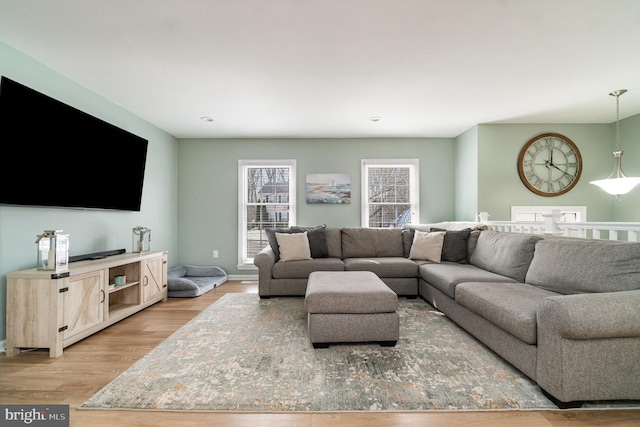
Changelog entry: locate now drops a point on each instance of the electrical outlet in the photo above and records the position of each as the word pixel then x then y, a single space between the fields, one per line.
pixel 215 253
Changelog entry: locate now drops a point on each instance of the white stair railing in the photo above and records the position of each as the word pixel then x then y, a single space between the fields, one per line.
pixel 624 231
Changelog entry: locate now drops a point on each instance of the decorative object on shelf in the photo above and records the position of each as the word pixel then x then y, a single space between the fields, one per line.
pixel 141 239
pixel 120 280
pixel 53 251
pixel 550 164
pixel 617 183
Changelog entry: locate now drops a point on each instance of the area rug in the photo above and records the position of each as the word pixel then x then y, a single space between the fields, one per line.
pixel 245 354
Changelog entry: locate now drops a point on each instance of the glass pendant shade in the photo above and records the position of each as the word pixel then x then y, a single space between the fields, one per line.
pixel 617 183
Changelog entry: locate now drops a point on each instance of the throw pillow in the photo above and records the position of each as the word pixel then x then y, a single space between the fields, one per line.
pixel 273 241
pixel 427 246
pixel 455 247
pixel 317 239
pixel 293 246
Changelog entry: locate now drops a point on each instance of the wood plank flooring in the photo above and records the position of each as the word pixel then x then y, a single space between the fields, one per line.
pixel 87 366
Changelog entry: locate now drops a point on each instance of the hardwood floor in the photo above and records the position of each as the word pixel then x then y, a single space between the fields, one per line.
pixel 87 366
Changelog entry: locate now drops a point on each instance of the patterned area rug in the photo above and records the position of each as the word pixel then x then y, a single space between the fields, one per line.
pixel 246 354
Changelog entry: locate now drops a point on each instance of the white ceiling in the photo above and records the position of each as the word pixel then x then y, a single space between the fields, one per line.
pixel 323 68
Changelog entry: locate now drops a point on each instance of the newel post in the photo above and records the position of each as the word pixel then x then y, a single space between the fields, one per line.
pixel 551 220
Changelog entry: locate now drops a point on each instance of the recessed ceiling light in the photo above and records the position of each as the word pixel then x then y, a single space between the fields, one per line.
pixel 375 118
pixel 206 119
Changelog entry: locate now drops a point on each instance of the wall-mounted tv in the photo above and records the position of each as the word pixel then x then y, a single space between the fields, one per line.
pixel 54 155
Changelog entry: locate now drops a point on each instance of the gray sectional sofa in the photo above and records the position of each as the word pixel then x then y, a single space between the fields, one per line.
pixel 565 312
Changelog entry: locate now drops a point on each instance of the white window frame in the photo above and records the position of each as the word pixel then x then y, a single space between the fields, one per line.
pixel 414 185
pixel 244 262
pixel 580 212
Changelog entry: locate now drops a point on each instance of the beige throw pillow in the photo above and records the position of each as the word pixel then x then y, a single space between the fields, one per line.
pixel 293 246
pixel 427 246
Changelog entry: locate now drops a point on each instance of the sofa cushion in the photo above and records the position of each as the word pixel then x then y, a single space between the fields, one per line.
pixel 293 246
pixel 407 240
pixel 473 241
pixel 507 254
pixel 383 266
pixel 302 269
pixel 510 306
pixel 447 275
pixel 372 242
pixel 316 235
pixel 575 266
pixel 427 246
pixel 456 244
pixel 334 243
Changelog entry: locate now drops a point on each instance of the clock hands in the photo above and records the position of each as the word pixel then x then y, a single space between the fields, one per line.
pixel 550 165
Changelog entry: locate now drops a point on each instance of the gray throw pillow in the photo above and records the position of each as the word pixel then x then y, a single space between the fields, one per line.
pixel 317 239
pixel 455 247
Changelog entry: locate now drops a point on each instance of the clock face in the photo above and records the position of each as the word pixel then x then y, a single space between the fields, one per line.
pixel 550 164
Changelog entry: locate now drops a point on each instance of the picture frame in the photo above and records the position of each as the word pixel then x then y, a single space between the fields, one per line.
pixel 328 188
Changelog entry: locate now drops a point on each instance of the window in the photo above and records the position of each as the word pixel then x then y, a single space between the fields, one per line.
pixel 390 192
pixel 266 200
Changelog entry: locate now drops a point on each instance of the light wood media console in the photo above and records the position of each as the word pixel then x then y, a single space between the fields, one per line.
pixel 48 311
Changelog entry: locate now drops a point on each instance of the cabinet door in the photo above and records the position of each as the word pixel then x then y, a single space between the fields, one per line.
pixel 153 278
pixel 83 302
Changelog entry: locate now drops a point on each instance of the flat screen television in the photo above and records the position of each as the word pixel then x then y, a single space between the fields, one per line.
pixel 54 155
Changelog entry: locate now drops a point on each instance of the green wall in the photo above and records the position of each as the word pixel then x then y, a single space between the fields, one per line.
pixel 499 186
pixel 90 231
pixel 208 186
pixel 466 167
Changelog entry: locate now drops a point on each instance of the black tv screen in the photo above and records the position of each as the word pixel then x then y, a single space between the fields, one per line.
pixel 55 155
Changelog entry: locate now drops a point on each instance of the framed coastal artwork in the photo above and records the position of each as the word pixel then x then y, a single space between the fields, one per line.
pixel 328 188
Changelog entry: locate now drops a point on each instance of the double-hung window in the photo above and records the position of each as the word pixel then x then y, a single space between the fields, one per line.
pixel 390 192
pixel 267 200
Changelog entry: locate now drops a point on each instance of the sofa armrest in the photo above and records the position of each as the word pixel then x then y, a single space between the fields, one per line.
pixel 588 346
pixel 597 315
pixel 264 260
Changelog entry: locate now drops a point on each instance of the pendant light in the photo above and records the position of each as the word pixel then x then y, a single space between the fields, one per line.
pixel 617 183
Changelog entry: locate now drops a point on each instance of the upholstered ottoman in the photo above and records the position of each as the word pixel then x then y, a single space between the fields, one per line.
pixel 350 306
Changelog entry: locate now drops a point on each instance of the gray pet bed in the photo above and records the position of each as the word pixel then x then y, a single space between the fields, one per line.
pixel 192 281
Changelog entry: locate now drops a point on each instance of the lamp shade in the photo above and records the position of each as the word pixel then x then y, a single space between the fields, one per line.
pixel 617 186
pixel 617 183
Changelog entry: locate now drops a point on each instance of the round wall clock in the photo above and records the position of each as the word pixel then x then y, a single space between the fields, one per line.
pixel 550 164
